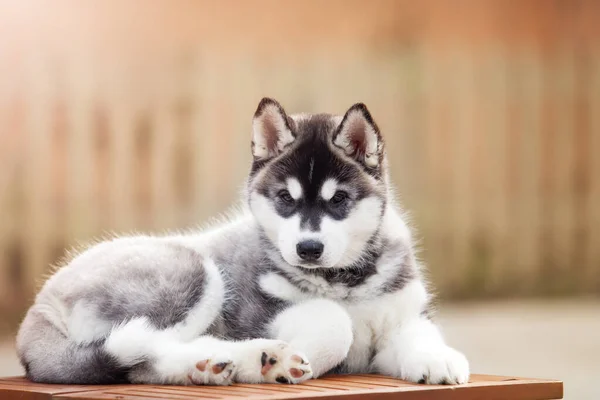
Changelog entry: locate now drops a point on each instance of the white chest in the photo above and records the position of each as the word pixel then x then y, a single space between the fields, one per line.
pixel 373 321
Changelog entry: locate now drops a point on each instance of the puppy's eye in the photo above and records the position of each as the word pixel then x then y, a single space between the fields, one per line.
pixel 285 196
pixel 339 198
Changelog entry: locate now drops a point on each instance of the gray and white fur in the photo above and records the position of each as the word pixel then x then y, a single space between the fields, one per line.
pixel 317 273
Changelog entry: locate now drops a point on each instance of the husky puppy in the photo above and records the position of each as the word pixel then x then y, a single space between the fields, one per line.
pixel 318 275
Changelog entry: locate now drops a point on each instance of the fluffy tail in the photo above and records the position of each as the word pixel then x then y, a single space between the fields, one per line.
pixel 48 356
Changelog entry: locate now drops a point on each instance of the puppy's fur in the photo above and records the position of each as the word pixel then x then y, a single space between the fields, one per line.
pixel 318 273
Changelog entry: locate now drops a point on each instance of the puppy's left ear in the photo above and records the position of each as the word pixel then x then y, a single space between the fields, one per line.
pixel 359 137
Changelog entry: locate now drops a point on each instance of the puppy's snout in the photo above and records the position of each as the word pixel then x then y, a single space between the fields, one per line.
pixel 309 250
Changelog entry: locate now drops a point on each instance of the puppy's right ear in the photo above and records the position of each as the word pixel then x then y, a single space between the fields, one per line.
pixel 272 130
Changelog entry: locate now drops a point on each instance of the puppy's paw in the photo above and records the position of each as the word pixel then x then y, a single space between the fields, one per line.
pixel 282 364
pixel 218 370
pixel 438 365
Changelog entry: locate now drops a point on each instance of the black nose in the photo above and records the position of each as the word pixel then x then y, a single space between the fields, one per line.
pixel 309 250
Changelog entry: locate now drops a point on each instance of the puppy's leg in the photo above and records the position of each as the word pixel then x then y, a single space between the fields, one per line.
pixel 320 328
pixel 161 357
pixel 414 348
pixel 417 352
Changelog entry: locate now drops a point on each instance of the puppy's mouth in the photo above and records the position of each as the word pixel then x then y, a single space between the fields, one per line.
pixel 309 265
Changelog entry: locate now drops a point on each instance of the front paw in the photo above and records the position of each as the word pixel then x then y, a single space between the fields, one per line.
pixel 270 361
pixel 439 365
pixel 282 364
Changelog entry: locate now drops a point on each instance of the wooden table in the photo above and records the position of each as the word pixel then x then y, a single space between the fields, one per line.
pixel 347 387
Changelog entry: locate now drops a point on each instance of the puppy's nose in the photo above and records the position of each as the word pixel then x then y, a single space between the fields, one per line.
pixel 309 250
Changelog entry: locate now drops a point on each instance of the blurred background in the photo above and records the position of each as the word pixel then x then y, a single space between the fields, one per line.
pixel 135 115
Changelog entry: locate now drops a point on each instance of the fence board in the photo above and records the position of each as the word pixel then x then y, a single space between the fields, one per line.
pixel 563 211
pixel 81 204
pixel 593 222
pixel 527 203
pixel 35 215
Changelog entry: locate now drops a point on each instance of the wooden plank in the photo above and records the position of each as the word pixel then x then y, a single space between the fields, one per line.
pixel 345 387
pixel 22 389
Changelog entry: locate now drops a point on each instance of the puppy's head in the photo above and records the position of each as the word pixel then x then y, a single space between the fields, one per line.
pixel 317 185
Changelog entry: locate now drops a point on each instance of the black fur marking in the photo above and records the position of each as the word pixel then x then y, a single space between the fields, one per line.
pixel 263 359
pixel 349 276
pixel 282 379
pixel 272 361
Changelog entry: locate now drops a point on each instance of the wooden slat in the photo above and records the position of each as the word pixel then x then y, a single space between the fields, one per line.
pixel 38 218
pixel 495 100
pixel 78 108
pixel 462 151
pixel 20 388
pixel 344 387
pixel 528 155
pixel 563 172
pixel 436 221
pixel 121 150
pixel 592 275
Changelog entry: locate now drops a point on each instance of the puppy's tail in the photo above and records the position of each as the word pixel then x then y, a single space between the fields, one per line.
pixel 49 356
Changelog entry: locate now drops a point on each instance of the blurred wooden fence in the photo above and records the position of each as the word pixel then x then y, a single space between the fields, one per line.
pixel 495 151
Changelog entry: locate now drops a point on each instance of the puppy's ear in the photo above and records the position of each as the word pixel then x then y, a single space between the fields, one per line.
pixel 359 137
pixel 272 130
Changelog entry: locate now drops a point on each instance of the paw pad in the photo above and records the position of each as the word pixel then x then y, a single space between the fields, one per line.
pixel 220 367
pixel 281 364
pixel 212 372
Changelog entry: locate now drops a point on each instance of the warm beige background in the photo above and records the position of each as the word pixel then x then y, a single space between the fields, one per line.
pixel 122 115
